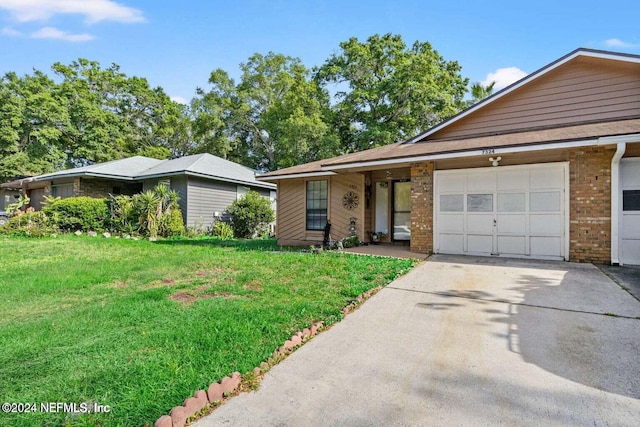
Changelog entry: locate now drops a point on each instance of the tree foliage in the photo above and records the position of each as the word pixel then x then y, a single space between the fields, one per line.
pixel 480 92
pixel 387 91
pixel 87 115
pixel 278 113
pixel 274 117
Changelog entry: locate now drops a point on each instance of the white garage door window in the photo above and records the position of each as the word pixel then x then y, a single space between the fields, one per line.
pixel 630 211
pixel 516 211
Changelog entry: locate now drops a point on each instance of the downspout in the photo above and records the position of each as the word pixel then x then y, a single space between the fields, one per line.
pixel 615 202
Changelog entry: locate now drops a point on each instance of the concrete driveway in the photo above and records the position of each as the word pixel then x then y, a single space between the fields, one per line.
pixel 464 341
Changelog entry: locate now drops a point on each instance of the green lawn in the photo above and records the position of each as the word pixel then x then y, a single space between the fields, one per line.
pixel 140 325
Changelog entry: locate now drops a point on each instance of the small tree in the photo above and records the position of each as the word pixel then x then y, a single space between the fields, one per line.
pixel 250 215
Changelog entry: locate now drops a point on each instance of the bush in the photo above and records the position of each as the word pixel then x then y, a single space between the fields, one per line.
pixel 250 215
pixel 350 242
pixel 222 230
pixel 79 213
pixel 172 224
pixel 29 224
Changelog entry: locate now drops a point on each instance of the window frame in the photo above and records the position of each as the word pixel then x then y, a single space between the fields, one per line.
pixel 316 224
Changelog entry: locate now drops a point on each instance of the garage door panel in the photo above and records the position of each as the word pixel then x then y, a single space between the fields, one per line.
pixel 451 183
pixel 631 226
pixel 451 223
pixel 479 244
pixel 630 251
pixel 545 246
pixel 481 182
pixel 513 180
pixel 452 243
pixel 480 224
pixel 542 178
pixel 543 224
pixel 512 245
pixel 516 224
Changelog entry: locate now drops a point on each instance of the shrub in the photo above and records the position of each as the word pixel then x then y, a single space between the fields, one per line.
pixel 222 230
pixel 350 242
pixel 124 218
pixel 172 225
pixel 250 215
pixel 79 213
pixel 29 224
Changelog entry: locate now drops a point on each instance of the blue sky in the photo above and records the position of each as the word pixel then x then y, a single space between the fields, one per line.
pixel 176 45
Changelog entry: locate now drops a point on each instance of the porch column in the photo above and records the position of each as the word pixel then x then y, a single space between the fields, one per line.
pixel 422 207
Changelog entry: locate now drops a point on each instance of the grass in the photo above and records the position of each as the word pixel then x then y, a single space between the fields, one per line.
pixel 140 325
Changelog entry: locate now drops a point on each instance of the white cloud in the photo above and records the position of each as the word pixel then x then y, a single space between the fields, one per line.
pixel 503 77
pixel 618 43
pixel 54 33
pixel 93 10
pixel 179 100
pixel 6 31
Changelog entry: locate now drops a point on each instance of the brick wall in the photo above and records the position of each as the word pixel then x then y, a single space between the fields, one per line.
pixel 590 205
pixel 422 207
pixel 99 188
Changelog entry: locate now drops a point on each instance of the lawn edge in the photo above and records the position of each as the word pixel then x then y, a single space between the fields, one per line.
pixel 203 403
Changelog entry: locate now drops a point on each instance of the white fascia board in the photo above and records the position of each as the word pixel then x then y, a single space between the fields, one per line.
pixel 233 181
pixel 295 175
pixel 461 154
pixel 525 80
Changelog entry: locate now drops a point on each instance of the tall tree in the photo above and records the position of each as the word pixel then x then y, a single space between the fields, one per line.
pixel 273 118
pixel 33 117
pixel 387 92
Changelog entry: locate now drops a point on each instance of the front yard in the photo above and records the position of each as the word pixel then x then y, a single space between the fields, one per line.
pixel 139 326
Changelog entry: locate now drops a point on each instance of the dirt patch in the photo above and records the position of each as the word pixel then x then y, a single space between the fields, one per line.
pixel 202 273
pixel 119 284
pixel 253 286
pixel 187 298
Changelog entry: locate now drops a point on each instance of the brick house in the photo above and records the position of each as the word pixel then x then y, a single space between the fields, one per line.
pixel 547 168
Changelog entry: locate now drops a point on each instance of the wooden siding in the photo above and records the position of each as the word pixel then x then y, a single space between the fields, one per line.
pixel 204 198
pixel 340 216
pixel 291 210
pixel 582 91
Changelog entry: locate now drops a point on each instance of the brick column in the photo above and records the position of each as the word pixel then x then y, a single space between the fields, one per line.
pixel 422 207
pixel 590 205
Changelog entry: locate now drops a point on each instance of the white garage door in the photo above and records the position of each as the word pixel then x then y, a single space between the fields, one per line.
pixel 630 215
pixel 516 211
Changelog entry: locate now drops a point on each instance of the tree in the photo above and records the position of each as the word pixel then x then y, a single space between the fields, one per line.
pixel 480 92
pixel 387 92
pixel 33 116
pixel 273 118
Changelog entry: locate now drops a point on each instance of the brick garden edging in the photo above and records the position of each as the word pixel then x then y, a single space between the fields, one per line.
pixel 228 386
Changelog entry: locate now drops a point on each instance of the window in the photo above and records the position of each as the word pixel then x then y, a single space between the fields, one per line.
pixel 62 190
pixel 316 205
pixel 631 200
pixel 479 202
pixel 451 203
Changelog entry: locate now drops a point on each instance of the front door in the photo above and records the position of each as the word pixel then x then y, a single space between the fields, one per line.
pixel 401 211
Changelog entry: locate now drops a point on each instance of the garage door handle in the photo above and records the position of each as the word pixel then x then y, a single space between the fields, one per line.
pixel 495 222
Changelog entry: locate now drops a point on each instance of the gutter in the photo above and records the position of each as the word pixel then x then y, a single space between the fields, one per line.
pixel 615 203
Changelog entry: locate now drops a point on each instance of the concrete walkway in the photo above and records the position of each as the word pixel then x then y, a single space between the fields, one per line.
pixel 464 341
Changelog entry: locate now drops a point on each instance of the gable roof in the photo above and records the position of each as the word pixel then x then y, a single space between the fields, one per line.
pixel 207 166
pixel 591 53
pixel 430 145
pixel 126 169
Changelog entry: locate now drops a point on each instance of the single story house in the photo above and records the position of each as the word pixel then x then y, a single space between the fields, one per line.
pixel 547 168
pixel 206 184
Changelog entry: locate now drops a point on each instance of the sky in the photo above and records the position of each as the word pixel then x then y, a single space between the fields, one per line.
pixel 176 45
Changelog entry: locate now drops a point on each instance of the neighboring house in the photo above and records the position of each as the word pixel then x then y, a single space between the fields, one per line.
pixel 205 183
pixel 547 168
